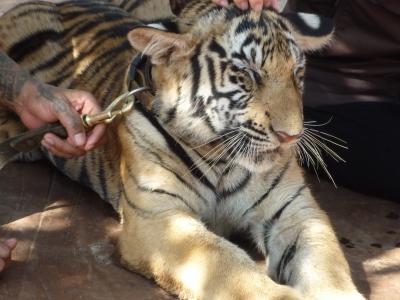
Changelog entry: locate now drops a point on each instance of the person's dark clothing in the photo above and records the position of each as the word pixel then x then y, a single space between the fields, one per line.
pixel 356 80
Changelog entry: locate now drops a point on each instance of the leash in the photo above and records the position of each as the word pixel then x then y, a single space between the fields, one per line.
pixel 139 81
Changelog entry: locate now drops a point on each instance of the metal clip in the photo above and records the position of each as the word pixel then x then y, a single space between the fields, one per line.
pixel 121 105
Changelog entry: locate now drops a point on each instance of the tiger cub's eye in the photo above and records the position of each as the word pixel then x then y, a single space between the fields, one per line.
pixel 246 78
pixel 298 75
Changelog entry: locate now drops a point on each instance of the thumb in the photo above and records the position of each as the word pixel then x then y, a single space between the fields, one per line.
pixel 72 122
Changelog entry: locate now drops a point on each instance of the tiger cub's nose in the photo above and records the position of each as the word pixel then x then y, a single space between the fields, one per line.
pixel 283 137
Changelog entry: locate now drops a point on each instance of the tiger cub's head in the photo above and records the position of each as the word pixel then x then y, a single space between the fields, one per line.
pixel 232 81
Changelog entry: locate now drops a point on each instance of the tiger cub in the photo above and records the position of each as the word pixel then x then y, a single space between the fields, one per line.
pixel 212 152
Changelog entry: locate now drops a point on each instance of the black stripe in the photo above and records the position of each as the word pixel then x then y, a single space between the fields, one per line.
pixel 91 8
pixel 131 204
pixel 171 114
pixel 164 192
pixel 101 174
pixel 217 48
pixel 157 191
pixel 83 174
pixel 117 67
pixel 245 25
pixel 98 21
pixel 176 148
pixel 123 3
pixel 195 71
pixel 52 62
pixel 275 182
pixel 59 80
pixel 286 258
pixel 96 66
pixel 267 226
pixel 238 188
pixel 270 222
pixel 59 162
pixel 35 10
pixel 113 88
pixel 233 12
pixel 30 44
pixel 135 138
pixel 278 214
pixel 134 5
pixel 169 24
pixel 210 163
pixel 160 161
pixel 250 39
pixel 118 31
pixel 85 3
pixel 184 182
pixel 211 77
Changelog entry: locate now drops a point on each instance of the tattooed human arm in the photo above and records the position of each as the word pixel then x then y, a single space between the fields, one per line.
pixel 12 79
pixel 37 103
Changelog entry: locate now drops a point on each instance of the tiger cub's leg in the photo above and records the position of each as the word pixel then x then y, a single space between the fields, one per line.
pixel 178 251
pixel 302 248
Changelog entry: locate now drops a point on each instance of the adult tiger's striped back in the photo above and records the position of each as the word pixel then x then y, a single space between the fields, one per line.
pixel 213 154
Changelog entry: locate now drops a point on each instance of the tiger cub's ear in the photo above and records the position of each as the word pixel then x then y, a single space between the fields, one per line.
pixel 161 46
pixel 311 32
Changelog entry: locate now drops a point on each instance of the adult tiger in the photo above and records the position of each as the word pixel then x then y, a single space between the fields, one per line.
pixel 211 152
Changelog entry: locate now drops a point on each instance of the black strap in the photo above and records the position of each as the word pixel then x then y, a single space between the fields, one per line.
pixel 140 73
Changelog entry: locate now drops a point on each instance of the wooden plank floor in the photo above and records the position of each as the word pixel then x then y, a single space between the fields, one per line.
pixel 67 235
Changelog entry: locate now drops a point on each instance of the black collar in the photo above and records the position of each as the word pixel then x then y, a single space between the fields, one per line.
pixel 139 74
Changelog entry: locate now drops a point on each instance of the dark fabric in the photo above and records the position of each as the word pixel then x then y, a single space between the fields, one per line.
pixel 372 133
pixel 356 81
pixel 363 61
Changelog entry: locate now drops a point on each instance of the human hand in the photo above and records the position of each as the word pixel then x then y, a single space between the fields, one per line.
pixel 255 5
pixel 40 103
pixel 5 252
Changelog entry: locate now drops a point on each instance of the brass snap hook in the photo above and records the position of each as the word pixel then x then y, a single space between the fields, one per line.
pixel 119 106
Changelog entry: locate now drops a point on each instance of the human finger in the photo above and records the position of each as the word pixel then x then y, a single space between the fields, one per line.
pixel 256 5
pixel 11 243
pixel 274 4
pixel 59 146
pixel 84 102
pixel 242 4
pixel 89 106
pixel 55 151
pixel 96 137
pixel 4 251
pixel 72 122
pixel 224 3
